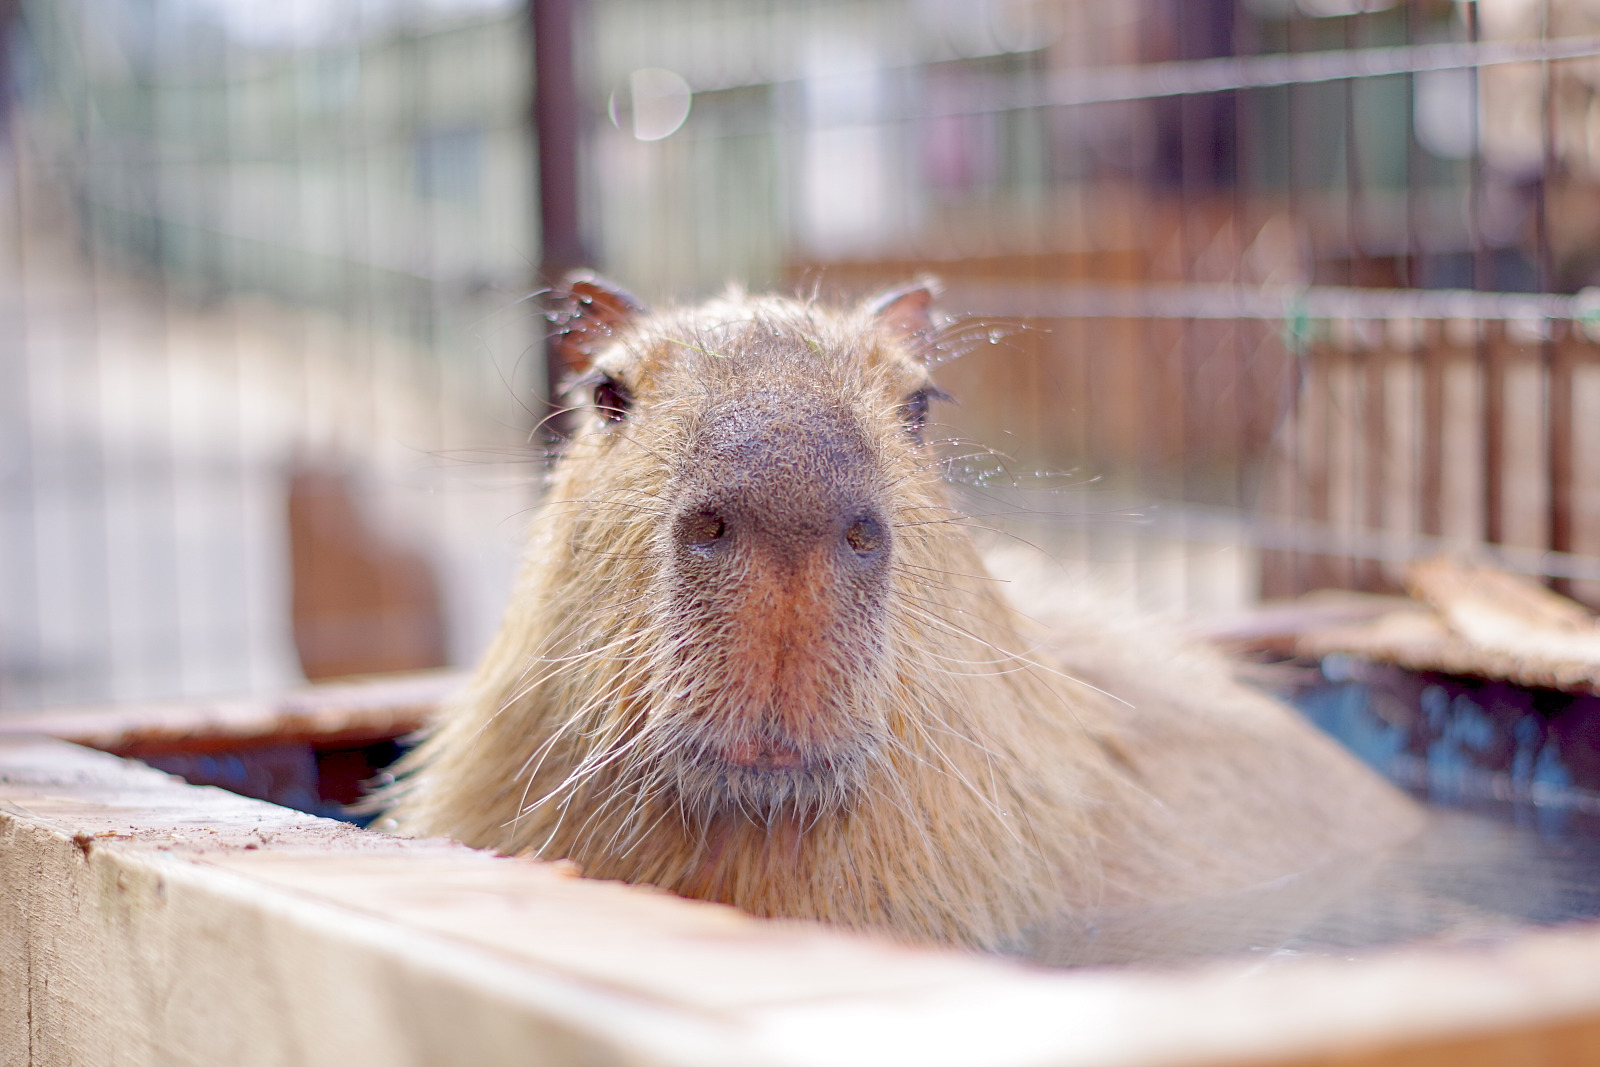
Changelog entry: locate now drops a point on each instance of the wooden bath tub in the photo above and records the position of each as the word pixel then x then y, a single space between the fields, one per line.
pixel 147 921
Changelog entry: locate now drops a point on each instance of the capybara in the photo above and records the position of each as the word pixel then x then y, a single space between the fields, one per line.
pixel 754 656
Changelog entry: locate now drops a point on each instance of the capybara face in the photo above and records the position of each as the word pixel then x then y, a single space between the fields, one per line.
pixel 771 457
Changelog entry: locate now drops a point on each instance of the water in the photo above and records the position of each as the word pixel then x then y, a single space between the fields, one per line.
pixel 1513 840
pixel 1467 878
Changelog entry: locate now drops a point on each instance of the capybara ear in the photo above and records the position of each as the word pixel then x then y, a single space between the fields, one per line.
pixel 906 312
pixel 587 311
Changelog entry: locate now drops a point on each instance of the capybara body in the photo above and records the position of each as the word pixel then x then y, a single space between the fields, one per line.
pixel 754 657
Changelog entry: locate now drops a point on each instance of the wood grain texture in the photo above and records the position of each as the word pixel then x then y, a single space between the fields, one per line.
pixel 143 921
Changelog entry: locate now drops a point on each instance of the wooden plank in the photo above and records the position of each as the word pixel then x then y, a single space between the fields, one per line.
pixel 1491 393
pixel 1489 604
pixel 353 712
pixel 143 921
pixel 1474 620
pixel 1431 366
pixel 150 922
pixel 1276 626
pixel 1373 438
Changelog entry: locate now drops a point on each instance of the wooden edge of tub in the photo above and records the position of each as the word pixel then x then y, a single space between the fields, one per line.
pixel 145 921
pixel 355 711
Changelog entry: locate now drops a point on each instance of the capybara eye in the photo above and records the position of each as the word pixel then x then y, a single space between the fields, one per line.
pixel 702 529
pixel 612 399
pixel 864 535
pixel 914 412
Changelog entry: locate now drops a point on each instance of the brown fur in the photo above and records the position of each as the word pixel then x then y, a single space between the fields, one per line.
pixel 698 685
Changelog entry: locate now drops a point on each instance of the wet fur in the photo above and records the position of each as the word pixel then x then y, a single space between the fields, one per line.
pixel 921 760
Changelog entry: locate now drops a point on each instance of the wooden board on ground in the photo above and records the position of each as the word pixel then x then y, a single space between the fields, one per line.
pixel 145 921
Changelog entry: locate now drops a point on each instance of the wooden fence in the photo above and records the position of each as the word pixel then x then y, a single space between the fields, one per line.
pixel 1347 431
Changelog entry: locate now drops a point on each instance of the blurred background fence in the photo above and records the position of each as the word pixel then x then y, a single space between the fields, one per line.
pixel 264 374
pixel 1282 293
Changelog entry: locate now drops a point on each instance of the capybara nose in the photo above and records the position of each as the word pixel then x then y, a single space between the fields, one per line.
pixel 788 482
pixel 851 532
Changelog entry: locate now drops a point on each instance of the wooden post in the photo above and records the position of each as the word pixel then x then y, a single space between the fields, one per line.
pixel 557 119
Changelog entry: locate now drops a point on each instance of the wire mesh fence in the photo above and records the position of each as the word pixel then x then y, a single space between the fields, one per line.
pixel 260 266
pixel 1322 267
pixel 1282 293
